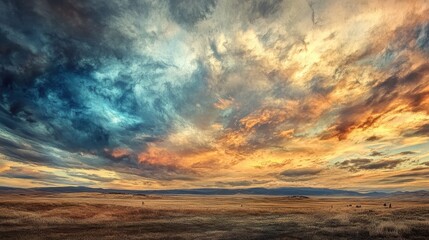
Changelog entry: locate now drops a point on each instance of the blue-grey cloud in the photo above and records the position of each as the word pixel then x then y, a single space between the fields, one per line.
pixel 169 89
pixel 72 79
pixel 422 130
pixel 42 177
pixel 358 164
pixel 188 12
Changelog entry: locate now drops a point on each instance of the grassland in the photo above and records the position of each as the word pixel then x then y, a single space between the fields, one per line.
pixel 123 216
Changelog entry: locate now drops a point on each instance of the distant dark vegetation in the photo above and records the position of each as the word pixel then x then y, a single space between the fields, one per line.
pixel 285 191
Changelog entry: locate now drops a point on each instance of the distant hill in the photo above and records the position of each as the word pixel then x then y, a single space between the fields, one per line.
pixel 418 194
pixel 284 191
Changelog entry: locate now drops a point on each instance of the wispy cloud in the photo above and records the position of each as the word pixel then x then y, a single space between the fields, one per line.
pixel 198 93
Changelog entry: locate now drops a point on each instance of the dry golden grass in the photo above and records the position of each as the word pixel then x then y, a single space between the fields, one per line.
pixel 120 216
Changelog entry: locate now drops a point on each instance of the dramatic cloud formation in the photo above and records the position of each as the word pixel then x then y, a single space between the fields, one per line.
pixel 367 164
pixel 182 94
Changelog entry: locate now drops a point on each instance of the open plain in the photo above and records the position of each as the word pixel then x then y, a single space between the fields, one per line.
pixel 126 216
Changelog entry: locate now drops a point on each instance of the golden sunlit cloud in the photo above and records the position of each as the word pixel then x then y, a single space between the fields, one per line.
pixel 292 93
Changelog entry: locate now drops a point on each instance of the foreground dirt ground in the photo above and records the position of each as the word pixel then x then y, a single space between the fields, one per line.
pixel 121 216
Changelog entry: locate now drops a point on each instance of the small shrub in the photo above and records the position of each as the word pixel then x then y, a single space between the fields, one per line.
pixel 389 229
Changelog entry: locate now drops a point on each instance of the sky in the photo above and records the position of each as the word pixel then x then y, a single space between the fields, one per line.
pixel 137 94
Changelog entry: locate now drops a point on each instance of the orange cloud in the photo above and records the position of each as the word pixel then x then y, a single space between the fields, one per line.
pixel 223 103
pixel 264 116
pixel 158 155
pixel 120 152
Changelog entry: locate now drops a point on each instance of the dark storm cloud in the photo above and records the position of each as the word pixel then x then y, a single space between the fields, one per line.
pixel 188 12
pixel 92 177
pixel 375 153
pixel 23 173
pixel 407 153
pixel 28 155
pixel 422 130
pixel 383 164
pixel 300 172
pixel 420 172
pixel 397 181
pixel 243 183
pixel 373 138
pixel 152 171
pixel 320 85
pixel 168 90
pixel 356 161
pixel 422 33
pixel 265 8
pixel 411 175
pixel 71 79
pixel 55 98
pixel 25 152
pixel 35 176
pixel 186 104
pixel 357 164
pixel 37 153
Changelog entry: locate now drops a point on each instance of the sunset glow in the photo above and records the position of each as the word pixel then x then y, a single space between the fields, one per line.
pixel 215 94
